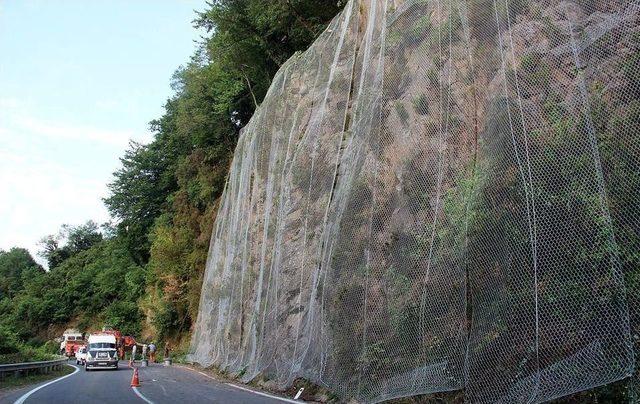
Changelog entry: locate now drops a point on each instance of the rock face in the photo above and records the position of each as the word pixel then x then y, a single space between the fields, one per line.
pixel 437 195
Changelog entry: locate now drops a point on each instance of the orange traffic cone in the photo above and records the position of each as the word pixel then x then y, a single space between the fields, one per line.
pixel 135 382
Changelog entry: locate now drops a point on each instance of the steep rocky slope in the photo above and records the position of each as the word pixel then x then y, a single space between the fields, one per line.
pixel 437 195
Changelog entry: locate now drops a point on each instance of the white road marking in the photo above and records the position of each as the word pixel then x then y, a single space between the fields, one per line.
pixel 286 400
pixel 264 394
pixel 146 400
pixel 30 392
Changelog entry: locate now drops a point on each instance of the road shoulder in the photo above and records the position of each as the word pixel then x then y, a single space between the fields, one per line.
pixel 235 383
pixel 12 388
pixel 186 384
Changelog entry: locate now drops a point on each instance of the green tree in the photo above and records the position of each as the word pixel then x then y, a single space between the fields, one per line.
pixel 164 195
pixel 16 265
pixel 69 241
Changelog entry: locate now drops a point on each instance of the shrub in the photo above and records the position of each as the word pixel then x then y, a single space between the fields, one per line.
pixel 8 342
pixel 420 104
pixel 124 316
pixel 402 112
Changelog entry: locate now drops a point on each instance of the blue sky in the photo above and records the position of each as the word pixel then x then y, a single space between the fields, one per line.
pixel 78 80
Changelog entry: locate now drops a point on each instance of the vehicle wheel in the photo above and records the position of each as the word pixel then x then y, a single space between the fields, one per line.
pixel 86 368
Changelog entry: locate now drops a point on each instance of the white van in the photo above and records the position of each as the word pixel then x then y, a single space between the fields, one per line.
pixel 101 352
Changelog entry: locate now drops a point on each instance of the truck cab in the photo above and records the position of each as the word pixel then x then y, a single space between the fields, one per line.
pixel 71 341
pixel 101 352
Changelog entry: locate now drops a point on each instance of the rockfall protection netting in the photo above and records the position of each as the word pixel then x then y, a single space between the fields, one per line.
pixel 438 195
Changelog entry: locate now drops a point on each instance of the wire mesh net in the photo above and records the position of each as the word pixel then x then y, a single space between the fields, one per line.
pixel 438 195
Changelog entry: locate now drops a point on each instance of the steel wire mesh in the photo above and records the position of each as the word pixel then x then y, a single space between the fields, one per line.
pixel 438 195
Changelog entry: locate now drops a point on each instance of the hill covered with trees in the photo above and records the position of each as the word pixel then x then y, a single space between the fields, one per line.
pixel 144 274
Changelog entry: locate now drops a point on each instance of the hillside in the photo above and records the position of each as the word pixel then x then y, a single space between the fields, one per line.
pixel 142 273
pixel 437 196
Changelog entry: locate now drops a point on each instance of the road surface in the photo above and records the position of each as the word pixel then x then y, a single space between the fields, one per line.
pixel 158 384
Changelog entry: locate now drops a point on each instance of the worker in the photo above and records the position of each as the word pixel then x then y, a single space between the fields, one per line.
pixel 152 352
pixel 167 351
pixel 144 351
pixel 133 352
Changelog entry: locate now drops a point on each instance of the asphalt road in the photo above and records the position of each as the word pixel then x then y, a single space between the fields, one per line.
pixel 158 384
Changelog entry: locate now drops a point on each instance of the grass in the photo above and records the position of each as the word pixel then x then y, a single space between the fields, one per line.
pixel 11 382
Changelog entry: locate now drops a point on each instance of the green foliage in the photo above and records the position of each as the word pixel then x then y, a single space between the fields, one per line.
pixel 420 29
pixel 16 267
pixel 534 75
pixel 102 281
pixel 12 350
pixel 139 191
pixel 434 80
pixel 421 104
pixel 166 320
pixel 8 342
pixel 253 38
pixel 248 42
pixel 124 316
pixel 402 112
pixel 165 193
pixel 373 358
pixel 26 354
pixel 69 241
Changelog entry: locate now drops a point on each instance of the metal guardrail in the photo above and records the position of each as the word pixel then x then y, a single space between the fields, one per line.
pixel 19 369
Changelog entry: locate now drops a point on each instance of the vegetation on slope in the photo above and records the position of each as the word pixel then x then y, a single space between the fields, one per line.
pixel 100 283
pixel 164 195
pixel 144 275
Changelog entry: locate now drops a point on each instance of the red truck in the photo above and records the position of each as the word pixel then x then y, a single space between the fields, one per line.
pixel 123 342
pixel 72 340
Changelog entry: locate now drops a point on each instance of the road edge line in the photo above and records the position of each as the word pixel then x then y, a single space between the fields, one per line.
pixel 30 392
pixel 287 400
pixel 146 400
